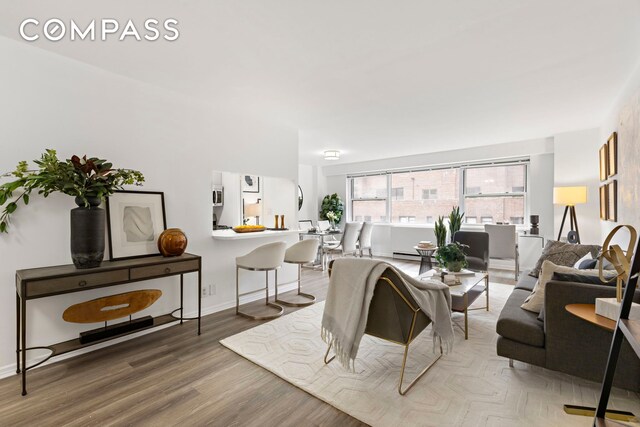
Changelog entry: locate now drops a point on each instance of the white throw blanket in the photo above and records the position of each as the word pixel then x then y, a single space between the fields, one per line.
pixel 347 306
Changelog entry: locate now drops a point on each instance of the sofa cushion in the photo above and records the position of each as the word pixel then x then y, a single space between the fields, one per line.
pixel 561 253
pixel 520 325
pixel 535 301
pixel 609 276
pixel 526 282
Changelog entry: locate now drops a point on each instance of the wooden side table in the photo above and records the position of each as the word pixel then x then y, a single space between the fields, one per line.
pixel 47 282
pixel 587 312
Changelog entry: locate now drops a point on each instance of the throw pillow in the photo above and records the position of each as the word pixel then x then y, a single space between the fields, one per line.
pixel 587 278
pixel 561 253
pixel 535 301
pixel 587 257
pixel 588 264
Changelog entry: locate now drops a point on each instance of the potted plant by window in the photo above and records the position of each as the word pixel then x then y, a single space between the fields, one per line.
pixel 440 231
pixel 455 220
pixel 89 180
pixel 451 257
pixel 332 203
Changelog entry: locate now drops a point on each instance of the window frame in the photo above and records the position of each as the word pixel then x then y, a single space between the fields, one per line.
pixel 462 196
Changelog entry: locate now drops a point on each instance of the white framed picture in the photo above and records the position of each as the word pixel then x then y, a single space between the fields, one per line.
pixel 250 184
pixel 135 220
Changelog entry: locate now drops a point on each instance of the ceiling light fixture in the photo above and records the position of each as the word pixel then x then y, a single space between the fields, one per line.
pixel 332 155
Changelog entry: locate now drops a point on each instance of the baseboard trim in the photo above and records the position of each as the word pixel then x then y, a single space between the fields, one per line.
pixel 9 370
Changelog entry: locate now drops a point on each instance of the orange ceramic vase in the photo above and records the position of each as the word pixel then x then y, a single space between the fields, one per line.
pixel 172 242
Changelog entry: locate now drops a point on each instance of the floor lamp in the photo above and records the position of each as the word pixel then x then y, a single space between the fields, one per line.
pixel 569 197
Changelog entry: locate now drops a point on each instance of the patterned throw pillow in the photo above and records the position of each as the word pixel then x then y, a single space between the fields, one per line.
pixel 549 271
pixel 561 253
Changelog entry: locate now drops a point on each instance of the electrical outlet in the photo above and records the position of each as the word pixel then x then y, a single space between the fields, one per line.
pixel 204 292
pixel 212 289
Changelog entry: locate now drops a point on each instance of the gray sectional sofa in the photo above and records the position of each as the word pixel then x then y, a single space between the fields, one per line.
pixel 563 342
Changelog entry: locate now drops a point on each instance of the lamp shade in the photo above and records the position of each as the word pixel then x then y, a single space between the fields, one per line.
pixel 569 196
pixel 253 209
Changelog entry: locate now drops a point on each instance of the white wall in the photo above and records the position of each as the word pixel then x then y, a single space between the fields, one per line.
pixel 308 181
pixel 576 164
pixel 624 118
pixel 52 102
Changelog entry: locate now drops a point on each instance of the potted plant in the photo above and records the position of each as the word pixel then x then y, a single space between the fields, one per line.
pixel 332 217
pixel 88 180
pixel 440 232
pixel 455 220
pixel 332 203
pixel 451 257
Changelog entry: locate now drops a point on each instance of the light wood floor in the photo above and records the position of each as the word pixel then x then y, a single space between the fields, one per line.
pixel 174 377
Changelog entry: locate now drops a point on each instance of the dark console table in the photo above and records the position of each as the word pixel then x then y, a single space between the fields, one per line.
pixel 49 281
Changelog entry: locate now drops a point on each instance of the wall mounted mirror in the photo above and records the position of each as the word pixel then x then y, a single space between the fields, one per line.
pixel 300 197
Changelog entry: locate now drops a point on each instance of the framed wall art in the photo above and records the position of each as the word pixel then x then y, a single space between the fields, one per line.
pixel 604 202
pixel 612 149
pixel 604 162
pixel 612 201
pixel 250 184
pixel 135 220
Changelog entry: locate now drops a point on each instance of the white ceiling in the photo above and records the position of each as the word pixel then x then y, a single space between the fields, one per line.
pixel 377 78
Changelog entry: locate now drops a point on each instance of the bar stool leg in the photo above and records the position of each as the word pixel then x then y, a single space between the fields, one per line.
pixel 237 292
pixel 302 294
pixel 270 304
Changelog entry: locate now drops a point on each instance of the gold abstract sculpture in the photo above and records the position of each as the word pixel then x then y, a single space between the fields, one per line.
pixel 111 307
pixel 621 260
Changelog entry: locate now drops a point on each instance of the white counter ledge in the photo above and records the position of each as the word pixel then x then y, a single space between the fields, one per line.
pixel 232 235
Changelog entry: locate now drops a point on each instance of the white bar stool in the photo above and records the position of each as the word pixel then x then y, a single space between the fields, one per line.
pixel 264 258
pixel 299 253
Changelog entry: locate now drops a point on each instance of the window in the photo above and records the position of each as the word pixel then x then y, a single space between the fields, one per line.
pixel 397 193
pixel 429 193
pixel 487 194
pixel 367 218
pixel 495 193
pixel 369 198
pixel 442 184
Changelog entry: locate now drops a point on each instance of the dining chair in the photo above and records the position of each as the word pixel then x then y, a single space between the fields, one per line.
pixel 324 225
pixel 503 243
pixel 305 224
pixel 347 244
pixel 364 239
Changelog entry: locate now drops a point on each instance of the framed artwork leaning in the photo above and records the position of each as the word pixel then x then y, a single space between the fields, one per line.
pixel 604 162
pixel 135 220
pixel 612 201
pixel 612 155
pixel 604 202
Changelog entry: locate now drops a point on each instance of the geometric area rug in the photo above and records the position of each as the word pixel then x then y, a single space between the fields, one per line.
pixel 470 386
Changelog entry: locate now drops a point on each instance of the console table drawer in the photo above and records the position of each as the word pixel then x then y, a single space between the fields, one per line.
pixel 164 269
pixel 73 283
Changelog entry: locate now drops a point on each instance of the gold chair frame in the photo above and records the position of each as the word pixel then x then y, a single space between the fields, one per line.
pixel 410 338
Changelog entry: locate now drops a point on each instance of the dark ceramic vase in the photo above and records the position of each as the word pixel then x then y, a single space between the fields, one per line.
pixel 87 234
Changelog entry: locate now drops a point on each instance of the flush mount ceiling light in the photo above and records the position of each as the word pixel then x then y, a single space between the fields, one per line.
pixel 332 155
